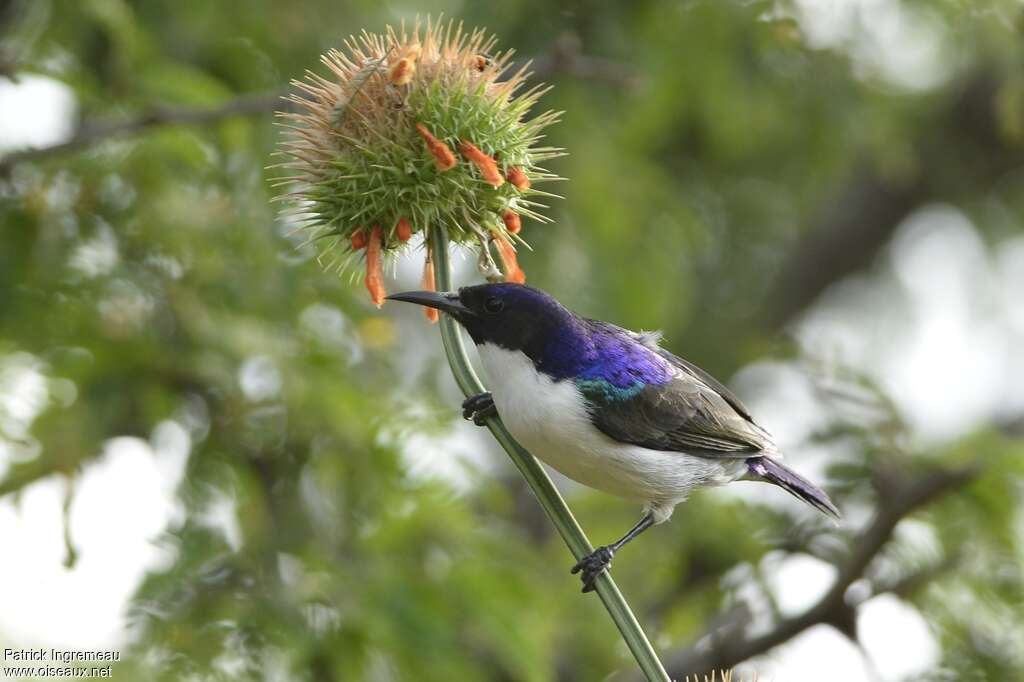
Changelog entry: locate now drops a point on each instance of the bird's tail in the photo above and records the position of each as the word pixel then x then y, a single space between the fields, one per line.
pixel 769 470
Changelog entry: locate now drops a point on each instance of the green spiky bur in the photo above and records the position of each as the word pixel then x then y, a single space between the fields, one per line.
pixel 360 161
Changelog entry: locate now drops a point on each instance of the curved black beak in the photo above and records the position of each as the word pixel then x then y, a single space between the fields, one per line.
pixel 448 301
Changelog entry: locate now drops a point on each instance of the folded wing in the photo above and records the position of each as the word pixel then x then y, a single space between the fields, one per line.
pixel 691 413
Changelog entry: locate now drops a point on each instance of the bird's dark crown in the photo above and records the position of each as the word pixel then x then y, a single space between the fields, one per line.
pixel 559 342
pixel 516 317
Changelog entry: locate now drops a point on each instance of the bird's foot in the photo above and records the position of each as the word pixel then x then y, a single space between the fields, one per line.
pixel 478 408
pixel 590 566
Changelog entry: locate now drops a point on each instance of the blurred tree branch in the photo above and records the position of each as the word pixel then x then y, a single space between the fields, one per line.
pixel 725 646
pixel 94 132
pixel 21 474
pixel 854 227
pixel 865 212
pixel 907 585
pixel 564 58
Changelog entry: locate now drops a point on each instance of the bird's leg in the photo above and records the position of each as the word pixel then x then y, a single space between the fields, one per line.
pixel 591 565
pixel 478 408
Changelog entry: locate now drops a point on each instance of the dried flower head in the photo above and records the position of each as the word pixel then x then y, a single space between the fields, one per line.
pixel 415 131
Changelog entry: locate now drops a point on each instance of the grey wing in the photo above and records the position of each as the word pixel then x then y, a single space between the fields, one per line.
pixel 691 413
pixel 709 380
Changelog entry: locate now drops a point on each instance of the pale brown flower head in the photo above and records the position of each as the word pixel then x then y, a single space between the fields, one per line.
pixel 414 131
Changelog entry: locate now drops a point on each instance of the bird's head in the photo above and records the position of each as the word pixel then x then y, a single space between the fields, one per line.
pixel 513 316
pixel 560 343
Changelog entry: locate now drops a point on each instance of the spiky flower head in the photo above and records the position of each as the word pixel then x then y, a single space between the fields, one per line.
pixel 412 132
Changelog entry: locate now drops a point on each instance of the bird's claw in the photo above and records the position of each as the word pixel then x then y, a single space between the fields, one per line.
pixel 478 408
pixel 591 566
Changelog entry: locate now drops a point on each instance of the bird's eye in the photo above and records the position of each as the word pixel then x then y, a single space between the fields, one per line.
pixel 494 305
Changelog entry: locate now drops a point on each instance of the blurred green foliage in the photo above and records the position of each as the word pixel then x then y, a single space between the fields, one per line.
pixel 724 169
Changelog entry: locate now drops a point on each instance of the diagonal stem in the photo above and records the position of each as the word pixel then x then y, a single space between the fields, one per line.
pixel 548 496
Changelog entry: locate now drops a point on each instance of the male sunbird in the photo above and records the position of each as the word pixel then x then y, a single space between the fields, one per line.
pixel 609 407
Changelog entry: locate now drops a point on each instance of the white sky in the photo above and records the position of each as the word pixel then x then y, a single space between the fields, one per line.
pixel 122 501
pixel 902 44
pixel 950 357
pixel 35 112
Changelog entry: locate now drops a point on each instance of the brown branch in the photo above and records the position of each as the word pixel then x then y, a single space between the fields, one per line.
pixel 564 57
pixel 718 649
pixel 862 216
pixel 857 224
pixel 907 585
pixel 90 133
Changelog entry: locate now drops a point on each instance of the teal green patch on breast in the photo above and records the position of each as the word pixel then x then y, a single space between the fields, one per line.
pixel 600 390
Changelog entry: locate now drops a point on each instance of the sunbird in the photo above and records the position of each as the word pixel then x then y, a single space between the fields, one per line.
pixel 609 407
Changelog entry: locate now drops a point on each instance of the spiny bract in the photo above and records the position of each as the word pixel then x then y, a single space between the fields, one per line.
pixel 415 133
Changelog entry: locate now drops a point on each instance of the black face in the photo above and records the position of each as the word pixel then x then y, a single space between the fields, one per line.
pixel 512 316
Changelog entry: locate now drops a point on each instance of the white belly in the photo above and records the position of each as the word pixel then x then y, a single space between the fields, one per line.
pixel 549 418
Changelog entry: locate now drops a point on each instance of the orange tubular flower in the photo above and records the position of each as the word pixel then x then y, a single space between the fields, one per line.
pixel 403 230
pixel 374 268
pixel 513 273
pixel 518 178
pixel 512 223
pixel 443 156
pixel 428 285
pixel 358 239
pixel 488 168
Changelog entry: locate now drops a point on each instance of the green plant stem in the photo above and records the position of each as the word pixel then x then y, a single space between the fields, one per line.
pixel 538 480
